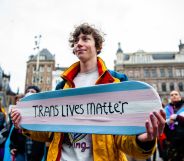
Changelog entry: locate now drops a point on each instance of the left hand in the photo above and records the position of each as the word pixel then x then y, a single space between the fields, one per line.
pixel 155 128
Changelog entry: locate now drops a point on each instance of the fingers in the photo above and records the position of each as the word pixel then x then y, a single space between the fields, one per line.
pixel 160 121
pixel 154 123
pixel 16 118
pixel 163 114
pixel 148 130
pixel 154 127
pixel 158 124
pixel 148 136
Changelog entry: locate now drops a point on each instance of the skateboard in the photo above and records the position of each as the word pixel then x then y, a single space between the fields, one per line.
pixel 117 108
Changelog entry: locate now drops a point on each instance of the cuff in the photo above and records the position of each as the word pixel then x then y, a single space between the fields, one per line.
pixel 145 145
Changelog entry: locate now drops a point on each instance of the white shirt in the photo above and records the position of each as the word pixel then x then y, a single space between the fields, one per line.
pixel 78 147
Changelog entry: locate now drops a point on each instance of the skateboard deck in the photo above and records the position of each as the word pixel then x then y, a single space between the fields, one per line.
pixel 117 108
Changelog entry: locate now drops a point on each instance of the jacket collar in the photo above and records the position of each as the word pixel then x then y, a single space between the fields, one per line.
pixel 74 69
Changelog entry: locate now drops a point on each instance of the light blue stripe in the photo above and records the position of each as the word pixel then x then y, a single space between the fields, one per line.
pixel 115 130
pixel 123 86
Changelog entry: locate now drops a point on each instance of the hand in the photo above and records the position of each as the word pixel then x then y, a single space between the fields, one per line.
pixel 15 117
pixel 173 117
pixel 13 151
pixel 157 128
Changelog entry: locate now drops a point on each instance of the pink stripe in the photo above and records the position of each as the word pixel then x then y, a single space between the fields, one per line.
pixel 135 95
pixel 118 120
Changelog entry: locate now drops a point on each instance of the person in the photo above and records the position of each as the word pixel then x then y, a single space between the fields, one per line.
pixel 86 42
pixel 4 130
pixel 174 128
pixel 22 148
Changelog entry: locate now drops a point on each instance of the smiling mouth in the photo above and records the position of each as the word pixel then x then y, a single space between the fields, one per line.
pixel 80 51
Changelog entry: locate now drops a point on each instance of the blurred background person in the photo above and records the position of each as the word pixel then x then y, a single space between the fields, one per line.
pixel 4 130
pixel 174 128
pixel 22 148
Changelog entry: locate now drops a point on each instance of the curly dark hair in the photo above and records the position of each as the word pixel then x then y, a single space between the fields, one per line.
pixel 87 29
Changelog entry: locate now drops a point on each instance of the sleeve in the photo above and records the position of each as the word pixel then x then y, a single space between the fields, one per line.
pixel 13 136
pixel 38 136
pixel 17 140
pixel 130 146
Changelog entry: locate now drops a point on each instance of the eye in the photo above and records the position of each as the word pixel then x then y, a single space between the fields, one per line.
pixel 76 40
pixel 85 38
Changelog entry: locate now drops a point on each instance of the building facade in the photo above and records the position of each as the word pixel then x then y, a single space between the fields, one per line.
pixel 163 70
pixel 39 70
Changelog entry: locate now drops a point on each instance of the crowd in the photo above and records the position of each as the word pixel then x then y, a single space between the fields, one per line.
pixel 25 145
pixel 19 147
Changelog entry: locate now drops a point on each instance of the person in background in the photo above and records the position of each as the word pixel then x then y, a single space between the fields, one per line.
pixel 174 128
pixel 86 42
pixel 22 148
pixel 4 130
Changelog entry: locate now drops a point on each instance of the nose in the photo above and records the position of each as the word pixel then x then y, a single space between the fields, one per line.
pixel 79 43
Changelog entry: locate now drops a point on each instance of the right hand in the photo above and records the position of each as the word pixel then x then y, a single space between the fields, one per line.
pixel 15 117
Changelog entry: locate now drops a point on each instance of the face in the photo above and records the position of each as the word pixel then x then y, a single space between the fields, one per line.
pixel 31 91
pixel 175 96
pixel 84 47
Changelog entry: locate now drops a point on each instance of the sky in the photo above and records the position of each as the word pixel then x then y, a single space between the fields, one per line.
pixel 149 25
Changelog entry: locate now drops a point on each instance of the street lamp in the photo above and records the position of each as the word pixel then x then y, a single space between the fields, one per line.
pixel 37 51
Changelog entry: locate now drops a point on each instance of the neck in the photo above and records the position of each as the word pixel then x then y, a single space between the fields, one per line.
pixel 88 66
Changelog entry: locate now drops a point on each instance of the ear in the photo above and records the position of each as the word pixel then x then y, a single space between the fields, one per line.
pixel 99 50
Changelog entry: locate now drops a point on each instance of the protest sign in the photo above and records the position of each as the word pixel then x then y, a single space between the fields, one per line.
pixel 118 108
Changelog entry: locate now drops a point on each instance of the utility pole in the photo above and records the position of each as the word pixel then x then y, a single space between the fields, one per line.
pixel 37 51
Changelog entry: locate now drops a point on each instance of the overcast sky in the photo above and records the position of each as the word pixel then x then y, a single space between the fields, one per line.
pixel 149 25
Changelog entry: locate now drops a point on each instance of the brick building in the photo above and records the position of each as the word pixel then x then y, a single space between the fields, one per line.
pixel 39 70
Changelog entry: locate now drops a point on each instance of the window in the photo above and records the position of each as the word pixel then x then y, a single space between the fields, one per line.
pixel 178 72
pixel 163 87
pixel 130 74
pixel 146 73
pixel 182 72
pixel 42 57
pixel 137 74
pixel 41 79
pixel 49 69
pixel 170 73
pixel 48 80
pixel 171 86
pixel 34 80
pixel 41 69
pixel 162 73
pixel 34 68
pixel 153 73
pixel 180 86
